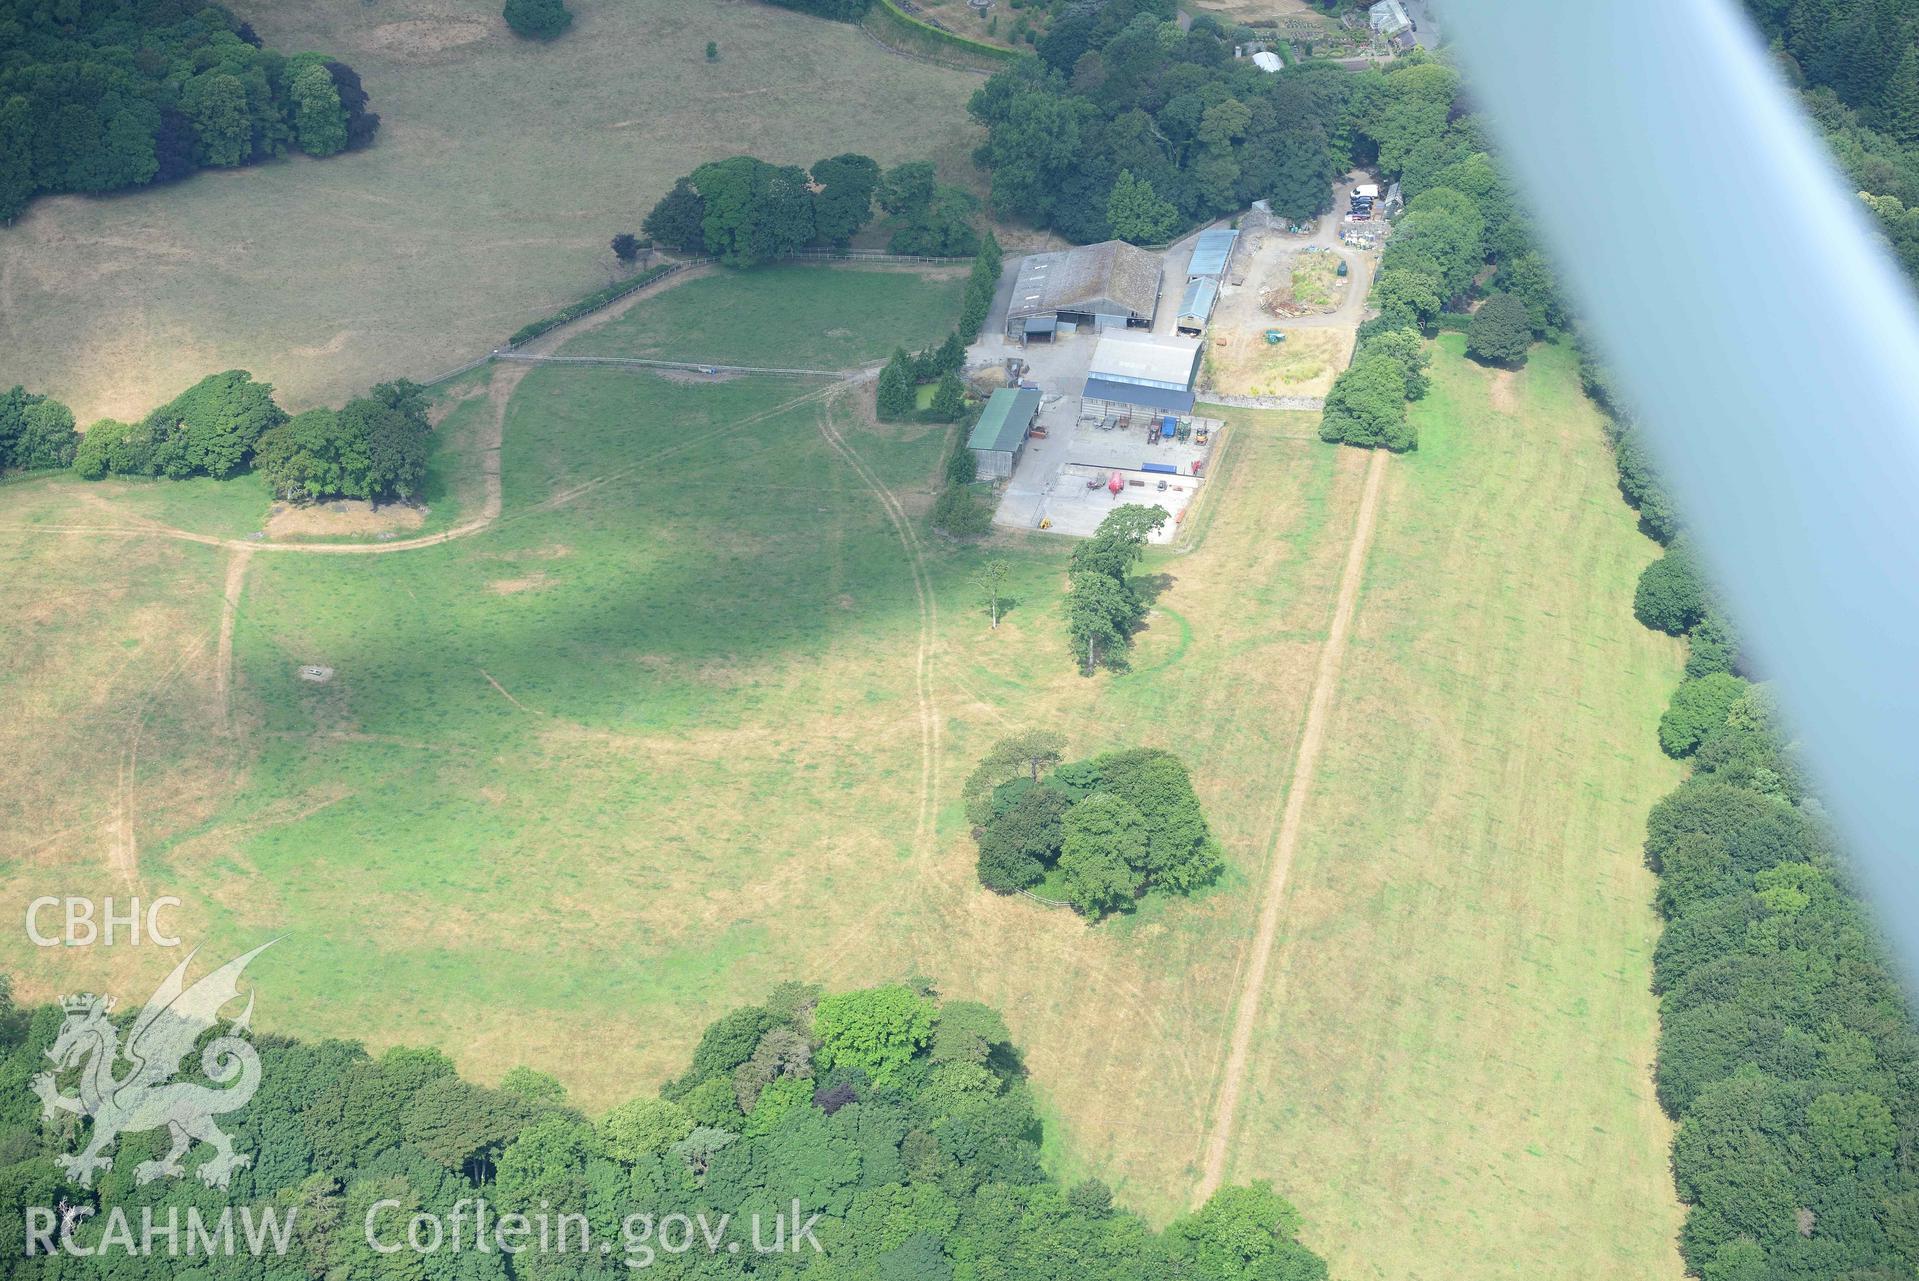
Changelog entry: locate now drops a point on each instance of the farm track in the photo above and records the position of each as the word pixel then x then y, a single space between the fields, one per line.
pixel 929 628
pixel 229 615
pixel 499 393
pixel 1305 762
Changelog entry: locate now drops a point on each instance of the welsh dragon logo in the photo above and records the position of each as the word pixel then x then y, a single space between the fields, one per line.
pixel 144 1096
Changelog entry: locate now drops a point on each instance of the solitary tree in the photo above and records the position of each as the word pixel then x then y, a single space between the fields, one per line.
pixel 1672 595
pixel 712 51
pixel 1100 613
pixel 626 247
pixel 991 582
pixel 537 19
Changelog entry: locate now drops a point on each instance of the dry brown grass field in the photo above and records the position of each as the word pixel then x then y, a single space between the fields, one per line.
pixel 692 715
pixel 502 169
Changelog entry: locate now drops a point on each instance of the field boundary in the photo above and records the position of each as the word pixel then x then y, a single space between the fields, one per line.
pixel 600 299
pixel 928 42
pixel 639 362
pixel 1305 763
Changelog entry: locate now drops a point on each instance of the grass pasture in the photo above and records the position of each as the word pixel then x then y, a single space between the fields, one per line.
pixel 502 169
pixel 1459 1022
pixel 790 317
pixel 657 738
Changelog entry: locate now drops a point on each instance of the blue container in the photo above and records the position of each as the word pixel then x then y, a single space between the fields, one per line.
pixel 1167 469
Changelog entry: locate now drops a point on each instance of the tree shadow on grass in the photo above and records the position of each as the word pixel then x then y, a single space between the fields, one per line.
pixel 1150 587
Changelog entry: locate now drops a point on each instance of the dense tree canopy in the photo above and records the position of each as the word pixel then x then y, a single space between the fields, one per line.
pixel 110 94
pixel 1124 115
pixel 903 1129
pixel 1672 595
pixel 745 211
pixel 1501 331
pixel 844 202
pixel 374 448
pixel 1115 827
pixel 36 433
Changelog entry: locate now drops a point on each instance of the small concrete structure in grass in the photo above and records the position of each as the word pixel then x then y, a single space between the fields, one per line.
pixel 999 437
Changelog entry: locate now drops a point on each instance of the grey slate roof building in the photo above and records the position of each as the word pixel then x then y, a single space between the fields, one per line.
pixel 1108 285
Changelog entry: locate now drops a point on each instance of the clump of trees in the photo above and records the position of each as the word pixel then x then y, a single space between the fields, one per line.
pixel 897 391
pixel 374 448
pixel 209 429
pixel 115 94
pixel 927 217
pixel 1366 405
pixel 1410 122
pixel 1103 608
pixel 1127 126
pixel 902 1127
pixel 960 512
pixel 537 19
pixel 1114 827
pixel 36 432
pixel 745 211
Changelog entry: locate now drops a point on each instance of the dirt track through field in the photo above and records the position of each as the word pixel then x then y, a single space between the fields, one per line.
pixel 1312 737
pixel 929 627
pixel 229 615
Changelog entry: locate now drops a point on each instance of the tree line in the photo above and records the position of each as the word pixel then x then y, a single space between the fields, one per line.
pixel 904 1122
pixel 745 211
pixel 374 447
pixel 1114 828
pixel 1788 1053
pixel 106 95
pixel 1461 214
pixel 1856 66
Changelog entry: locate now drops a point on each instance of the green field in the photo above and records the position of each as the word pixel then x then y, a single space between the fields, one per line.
pixel 691 717
pixel 502 169
pixel 798 317
pixel 1459 1022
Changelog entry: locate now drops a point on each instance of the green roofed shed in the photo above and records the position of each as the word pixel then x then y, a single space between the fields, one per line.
pixel 1000 433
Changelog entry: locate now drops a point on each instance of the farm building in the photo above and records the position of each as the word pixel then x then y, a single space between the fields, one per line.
pixel 1139 373
pixel 1000 434
pixel 1106 286
pixel 1146 359
pixel 1212 252
pixel 1196 306
pixel 1266 61
pixel 1388 18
